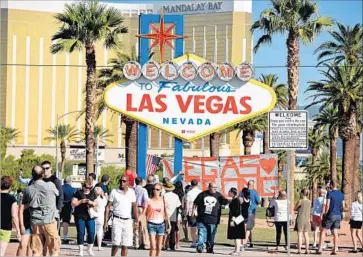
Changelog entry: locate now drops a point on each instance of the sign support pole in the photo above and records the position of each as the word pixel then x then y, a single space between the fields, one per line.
pixel 178 143
pixel 288 201
pixel 142 128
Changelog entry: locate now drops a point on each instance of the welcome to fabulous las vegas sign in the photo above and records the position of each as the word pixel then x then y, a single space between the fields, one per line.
pixel 189 97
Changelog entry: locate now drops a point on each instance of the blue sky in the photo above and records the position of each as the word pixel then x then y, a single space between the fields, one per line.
pixel 348 12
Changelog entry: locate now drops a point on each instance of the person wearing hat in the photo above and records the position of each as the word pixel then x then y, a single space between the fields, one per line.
pixel 172 207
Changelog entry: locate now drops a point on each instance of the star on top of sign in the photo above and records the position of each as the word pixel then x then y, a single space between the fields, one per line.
pixel 161 36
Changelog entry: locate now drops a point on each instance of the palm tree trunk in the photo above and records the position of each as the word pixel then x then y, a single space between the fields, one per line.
pixel 248 139
pixel 63 159
pixel 266 149
pixel 214 144
pixel 131 144
pixel 356 171
pixel 347 176
pixel 333 156
pixel 292 43
pixel 90 107
pixel 315 180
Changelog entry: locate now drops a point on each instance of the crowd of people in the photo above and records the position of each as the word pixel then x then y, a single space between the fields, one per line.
pixel 151 215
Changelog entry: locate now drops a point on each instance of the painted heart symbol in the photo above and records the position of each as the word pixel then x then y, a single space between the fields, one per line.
pixel 268 164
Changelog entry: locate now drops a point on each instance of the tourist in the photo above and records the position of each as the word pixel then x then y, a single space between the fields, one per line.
pixel 208 205
pixel 24 248
pixel 150 185
pixel 280 217
pixel 255 201
pixel 40 197
pixel 191 215
pixel 356 222
pixel 317 215
pixel 303 226
pixel 141 236
pixel 122 200
pixel 236 229
pixel 66 213
pixel 158 222
pixel 332 216
pixel 172 203
pixel 9 214
pixel 48 177
pixel 179 190
pixel 99 209
pixel 105 180
pixel 184 222
pixel 246 201
pixel 82 201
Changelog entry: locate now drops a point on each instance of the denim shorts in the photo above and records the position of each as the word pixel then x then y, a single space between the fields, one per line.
pixel 332 222
pixel 28 231
pixel 156 229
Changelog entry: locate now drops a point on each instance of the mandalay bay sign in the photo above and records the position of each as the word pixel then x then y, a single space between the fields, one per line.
pixel 189 97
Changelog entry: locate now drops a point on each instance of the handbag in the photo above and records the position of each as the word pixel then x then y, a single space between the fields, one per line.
pixel 93 213
pixel 270 212
pixel 239 219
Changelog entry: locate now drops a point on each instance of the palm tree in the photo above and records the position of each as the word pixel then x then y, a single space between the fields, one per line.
pixel 282 101
pixel 8 134
pixel 281 162
pixel 347 45
pixel 248 129
pixel 342 87
pixel 329 118
pixel 320 170
pixel 114 75
pixel 100 132
pixel 82 25
pixel 356 174
pixel 317 141
pixel 300 21
pixel 66 134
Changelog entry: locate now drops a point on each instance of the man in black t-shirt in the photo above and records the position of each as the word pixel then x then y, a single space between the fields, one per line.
pixel 208 204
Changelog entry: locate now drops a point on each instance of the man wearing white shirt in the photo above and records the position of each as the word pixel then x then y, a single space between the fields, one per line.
pixel 123 200
pixel 192 222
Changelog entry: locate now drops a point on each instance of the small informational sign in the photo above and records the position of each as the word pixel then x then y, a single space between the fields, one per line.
pixel 79 154
pixel 288 130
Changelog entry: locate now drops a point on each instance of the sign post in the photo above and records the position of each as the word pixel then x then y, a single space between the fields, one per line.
pixel 288 130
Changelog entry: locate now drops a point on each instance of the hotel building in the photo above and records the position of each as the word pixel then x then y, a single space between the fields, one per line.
pixel 37 86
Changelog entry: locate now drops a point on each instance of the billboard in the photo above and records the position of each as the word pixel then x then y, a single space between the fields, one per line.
pixel 231 171
pixel 189 97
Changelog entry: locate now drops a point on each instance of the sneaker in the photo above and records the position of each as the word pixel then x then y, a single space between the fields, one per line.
pixel 193 245
pixel 242 248
pixel 235 254
pixel 80 253
pixel 90 252
pixel 210 250
pixel 199 249
pixel 251 245
pixel 314 245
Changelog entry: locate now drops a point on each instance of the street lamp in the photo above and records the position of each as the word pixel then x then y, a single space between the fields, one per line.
pixel 56 140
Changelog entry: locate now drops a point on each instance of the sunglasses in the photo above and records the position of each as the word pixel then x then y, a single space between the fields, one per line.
pixel 46 168
pixel 157 189
pixel 87 187
pixel 123 181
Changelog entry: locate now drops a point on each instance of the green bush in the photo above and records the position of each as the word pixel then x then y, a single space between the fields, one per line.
pixel 114 172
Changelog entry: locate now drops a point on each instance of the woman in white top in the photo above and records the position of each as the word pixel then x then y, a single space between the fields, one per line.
pixel 280 205
pixel 99 209
pixel 317 214
pixel 356 221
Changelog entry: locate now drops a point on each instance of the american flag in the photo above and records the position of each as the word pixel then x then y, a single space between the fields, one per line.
pixel 152 163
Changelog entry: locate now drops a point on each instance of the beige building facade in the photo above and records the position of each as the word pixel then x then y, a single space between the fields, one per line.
pixel 37 86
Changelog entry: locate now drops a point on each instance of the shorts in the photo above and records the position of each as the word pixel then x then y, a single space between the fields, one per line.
pixel 251 221
pixel 317 220
pixel 332 222
pixel 5 235
pixel 192 222
pixel 122 232
pixel 48 232
pixel 66 213
pixel 355 224
pixel 27 231
pixel 156 229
